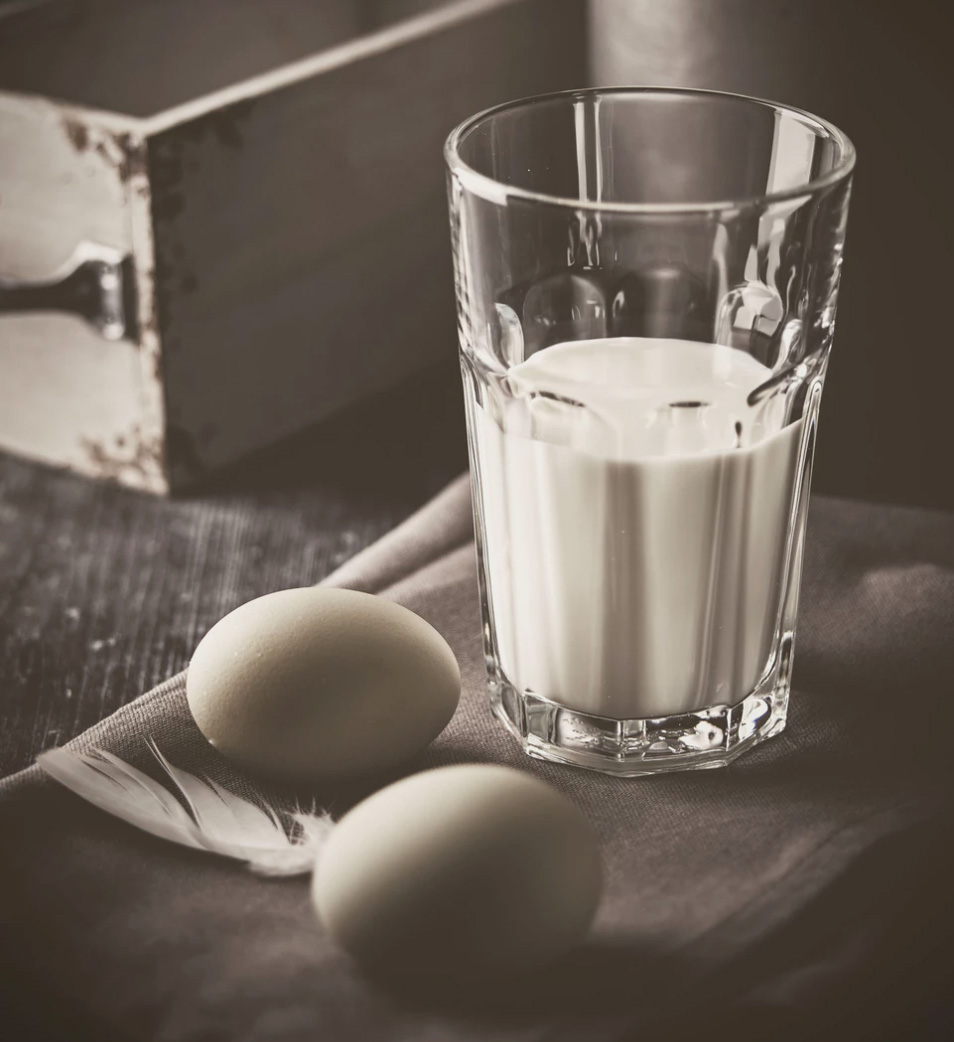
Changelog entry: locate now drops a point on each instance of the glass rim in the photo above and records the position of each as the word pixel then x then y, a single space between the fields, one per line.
pixel 497 192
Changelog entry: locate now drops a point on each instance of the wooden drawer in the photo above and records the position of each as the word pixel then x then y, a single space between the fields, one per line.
pixel 259 186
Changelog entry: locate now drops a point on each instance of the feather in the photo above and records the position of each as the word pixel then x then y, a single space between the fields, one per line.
pixel 209 818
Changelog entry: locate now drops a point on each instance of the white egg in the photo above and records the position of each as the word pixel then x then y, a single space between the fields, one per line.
pixel 467 870
pixel 315 682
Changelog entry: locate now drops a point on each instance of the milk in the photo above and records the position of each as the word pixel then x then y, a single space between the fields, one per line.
pixel 635 521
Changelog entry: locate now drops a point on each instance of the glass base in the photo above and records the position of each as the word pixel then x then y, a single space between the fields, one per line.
pixel 709 737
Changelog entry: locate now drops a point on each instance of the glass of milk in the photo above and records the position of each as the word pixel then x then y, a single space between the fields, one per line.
pixel 646 287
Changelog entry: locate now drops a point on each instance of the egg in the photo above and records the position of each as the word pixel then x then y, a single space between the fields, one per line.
pixel 315 682
pixel 464 871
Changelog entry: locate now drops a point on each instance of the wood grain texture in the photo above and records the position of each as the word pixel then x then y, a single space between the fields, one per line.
pixel 104 592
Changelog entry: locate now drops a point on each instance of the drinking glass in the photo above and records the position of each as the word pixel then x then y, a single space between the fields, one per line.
pixel 646 288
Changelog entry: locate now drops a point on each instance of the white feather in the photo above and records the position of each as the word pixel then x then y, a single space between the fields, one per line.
pixel 213 819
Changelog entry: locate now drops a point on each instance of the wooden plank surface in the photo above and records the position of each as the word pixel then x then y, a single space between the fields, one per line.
pixel 104 591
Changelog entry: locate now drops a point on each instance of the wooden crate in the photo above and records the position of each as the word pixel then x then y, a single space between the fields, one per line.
pixel 256 187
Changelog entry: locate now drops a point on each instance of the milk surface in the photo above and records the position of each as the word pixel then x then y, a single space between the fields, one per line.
pixel 636 515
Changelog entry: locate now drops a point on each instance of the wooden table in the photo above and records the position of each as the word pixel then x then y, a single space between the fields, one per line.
pixel 105 592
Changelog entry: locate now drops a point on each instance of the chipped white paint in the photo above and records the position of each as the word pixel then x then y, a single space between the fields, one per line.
pixel 67 395
pixel 150 390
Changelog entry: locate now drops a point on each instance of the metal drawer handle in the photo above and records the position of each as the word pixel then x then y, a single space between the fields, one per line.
pixel 97 283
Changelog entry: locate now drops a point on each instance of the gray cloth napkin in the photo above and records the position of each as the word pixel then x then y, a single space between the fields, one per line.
pixel 806 887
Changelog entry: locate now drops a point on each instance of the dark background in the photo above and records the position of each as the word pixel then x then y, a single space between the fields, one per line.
pixel 881 71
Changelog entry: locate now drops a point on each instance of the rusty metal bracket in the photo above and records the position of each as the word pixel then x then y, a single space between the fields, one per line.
pixel 97 283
